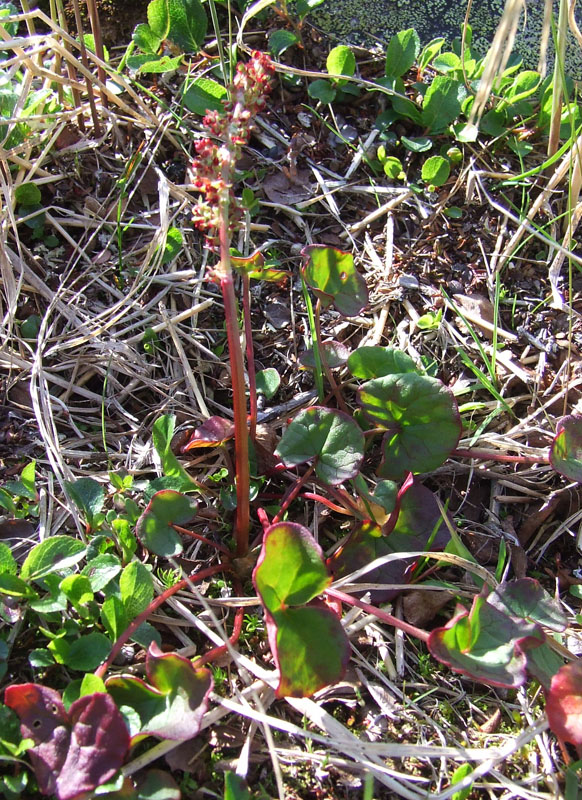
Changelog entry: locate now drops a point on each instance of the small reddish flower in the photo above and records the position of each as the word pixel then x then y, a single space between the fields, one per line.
pixel 214 165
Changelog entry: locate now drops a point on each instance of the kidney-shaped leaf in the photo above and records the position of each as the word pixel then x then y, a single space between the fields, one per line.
pixel 332 276
pixel 335 354
pixel 330 437
pixel 290 569
pixel 309 646
pixel 74 752
pixel 486 644
pixel 375 362
pixel 527 599
pixel 564 704
pixel 174 701
pixel 421 418
pixel 154 527
pixel 566 449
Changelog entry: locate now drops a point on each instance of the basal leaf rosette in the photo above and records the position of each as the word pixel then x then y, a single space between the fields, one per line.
pixel 566 449
pixel 306 638
pixel 331 438
pixel 334 279
pixel 421 420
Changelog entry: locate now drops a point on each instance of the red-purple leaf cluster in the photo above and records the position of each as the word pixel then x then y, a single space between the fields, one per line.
pixel 74 751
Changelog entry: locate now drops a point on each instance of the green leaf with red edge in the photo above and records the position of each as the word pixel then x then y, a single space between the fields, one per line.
pixel 307 640
pixel 332 276
pixel 290 569
pixel 74 752
pixel 310 648
pixel 330 437
pixel 566 449
pixel 154 527
pixel 254 267
pixel 212 432
pixel 486 644
pixel 173 703
pixel 527 599
pixel 421 418
pixel 564 704
pixel 419 526
pixel 375 362
pixel 335 355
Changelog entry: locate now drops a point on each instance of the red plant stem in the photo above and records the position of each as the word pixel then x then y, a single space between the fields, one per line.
pixel 220 547
pixel 246 282
pixel 324 364
pixel 263 518
pixel 491 455
pixel 241 433
pixel 293 494
pixel 377 612
pixel 156 603
pixel 320 499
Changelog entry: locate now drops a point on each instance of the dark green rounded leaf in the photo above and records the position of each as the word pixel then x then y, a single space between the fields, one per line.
pixel 375 362
pixel 281 40
pixel 27 194
pixel 311 651
pixel 566 449
pixel 335 354
pixel 154 526
pixel 205 95
pixel 330 437
pixel 332 276
pixel 87 652
pixel 268 382
pixel 421 418
pixel 321 90
pixel 402 51
pixel 290 569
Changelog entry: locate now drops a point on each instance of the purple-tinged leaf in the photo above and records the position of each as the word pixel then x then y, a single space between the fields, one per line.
pixel 173 703
pixel 564 704
pixel 419 526
pixel 486 644
pixel 332 276
pixel 335 354
pixel 330 437
pixel 154 527
pixel 566 449
pixel 527 599
pixel 421 419
pixel 310 648
pixel 212 432
pixel 74 752
pixel 376 362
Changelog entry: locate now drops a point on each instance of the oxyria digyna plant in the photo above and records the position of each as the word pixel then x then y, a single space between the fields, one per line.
pixel 217 214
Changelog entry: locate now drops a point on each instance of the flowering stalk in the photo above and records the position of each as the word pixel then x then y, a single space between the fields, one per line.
pixel 218 215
